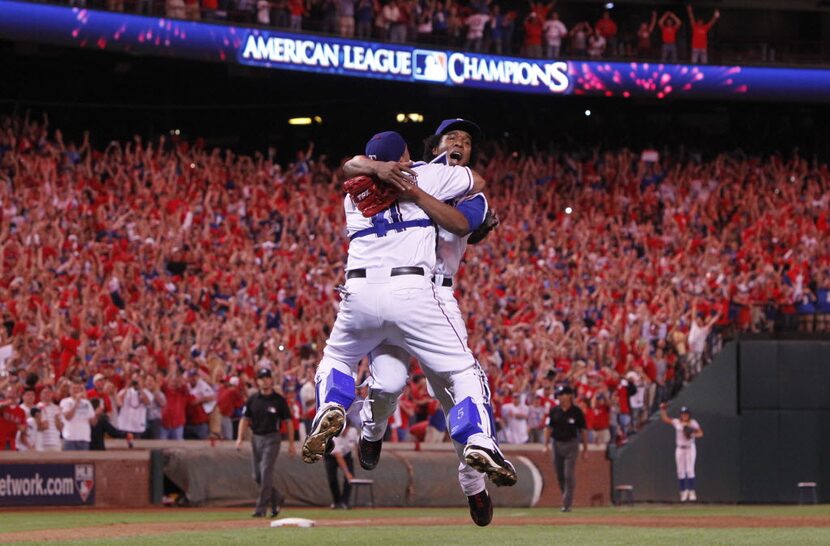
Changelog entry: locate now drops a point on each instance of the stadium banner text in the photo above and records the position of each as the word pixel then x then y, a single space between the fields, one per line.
pixel 47 484
pixel 226 43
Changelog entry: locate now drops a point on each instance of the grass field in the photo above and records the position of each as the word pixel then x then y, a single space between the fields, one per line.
pixel 686 525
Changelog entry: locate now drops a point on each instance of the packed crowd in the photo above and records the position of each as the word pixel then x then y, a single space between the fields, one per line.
pixel 143 285
pixel 533 30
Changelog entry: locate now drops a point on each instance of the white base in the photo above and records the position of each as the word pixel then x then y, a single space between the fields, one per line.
pixel 292 522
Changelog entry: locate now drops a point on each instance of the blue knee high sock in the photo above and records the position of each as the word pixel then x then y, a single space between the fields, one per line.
pixel 690 483
pixel 682 483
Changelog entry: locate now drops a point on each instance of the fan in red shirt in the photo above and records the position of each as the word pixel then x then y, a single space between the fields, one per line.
pixel 230 400
pixel 173 415
pixel 533 35
pixel 607 28
pixel 12 420
pixel 669 24
pixel 700 36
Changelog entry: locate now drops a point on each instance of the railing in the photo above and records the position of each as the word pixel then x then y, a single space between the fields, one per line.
pixel 748 52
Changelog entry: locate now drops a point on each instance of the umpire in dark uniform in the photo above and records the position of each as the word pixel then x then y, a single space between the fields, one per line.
pixel 566 423
pixel 263 413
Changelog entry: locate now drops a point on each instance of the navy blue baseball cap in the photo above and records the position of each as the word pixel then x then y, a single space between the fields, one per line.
pixel 386 146
pixel 684 409
pixel 458 124
pixel 564 389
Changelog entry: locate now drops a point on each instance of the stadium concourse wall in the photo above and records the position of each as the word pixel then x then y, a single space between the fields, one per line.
pixel 220 475
pixel 764 406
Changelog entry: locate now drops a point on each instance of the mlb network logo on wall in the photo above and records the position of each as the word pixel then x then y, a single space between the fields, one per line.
pixel 430 66
pixel 47 484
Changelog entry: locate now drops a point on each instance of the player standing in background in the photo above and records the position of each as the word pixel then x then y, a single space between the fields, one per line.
pixel 452 144
pixel 686 430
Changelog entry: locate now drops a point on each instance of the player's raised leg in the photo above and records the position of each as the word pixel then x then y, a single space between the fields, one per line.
pixel 388 365
pixel 472 482
pixel 355 333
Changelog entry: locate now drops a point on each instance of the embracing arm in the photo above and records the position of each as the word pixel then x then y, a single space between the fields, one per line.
pixel 444 215
pixel 392 172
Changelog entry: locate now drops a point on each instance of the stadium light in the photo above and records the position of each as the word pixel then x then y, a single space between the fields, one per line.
pixel 568 210
pixel 413 117
pixel 318 120
pixel 299 121
pixel 609 5
pixel 587 113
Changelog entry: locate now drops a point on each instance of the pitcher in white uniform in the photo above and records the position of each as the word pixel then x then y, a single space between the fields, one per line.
pixel 389 298
pixel 686 430
pixel 453 143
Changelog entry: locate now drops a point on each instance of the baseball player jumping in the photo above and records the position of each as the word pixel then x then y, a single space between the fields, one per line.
pixel 389 298
pixel 453 144
pixel 686 430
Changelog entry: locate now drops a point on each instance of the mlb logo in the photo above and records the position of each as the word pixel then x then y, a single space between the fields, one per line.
pixel 84 480
pixel 430 66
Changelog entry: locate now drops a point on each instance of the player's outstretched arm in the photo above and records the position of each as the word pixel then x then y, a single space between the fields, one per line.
pixel 665 416
pixel 442 214
pixel 397 174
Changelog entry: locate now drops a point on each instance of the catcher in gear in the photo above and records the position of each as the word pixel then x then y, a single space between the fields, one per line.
pixel 687 430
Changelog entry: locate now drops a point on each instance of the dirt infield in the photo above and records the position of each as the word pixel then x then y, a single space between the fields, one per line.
pixel 125 530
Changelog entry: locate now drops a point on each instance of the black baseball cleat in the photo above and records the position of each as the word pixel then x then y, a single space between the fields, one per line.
pixel 328 424
pixel 258 515
pixel 481 508
pixel 491 462
pixel 368 453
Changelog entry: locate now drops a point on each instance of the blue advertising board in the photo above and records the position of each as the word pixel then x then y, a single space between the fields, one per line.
pixel 227 43
pixel 47 484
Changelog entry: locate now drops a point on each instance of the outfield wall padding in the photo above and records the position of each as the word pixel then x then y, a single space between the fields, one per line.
pixel 403 478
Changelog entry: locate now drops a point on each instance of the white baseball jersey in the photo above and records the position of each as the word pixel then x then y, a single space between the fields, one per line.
pixel 451 247
pixel 679 437
pixel 377 243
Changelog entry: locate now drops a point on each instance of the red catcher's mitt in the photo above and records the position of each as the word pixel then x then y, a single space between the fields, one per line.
pixel 370 196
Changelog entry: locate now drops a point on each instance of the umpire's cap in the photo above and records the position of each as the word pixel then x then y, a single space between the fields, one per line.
pixel 263 372
pixel 566 389
pixel 685 409
pixel 458 124
pixel 386 146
